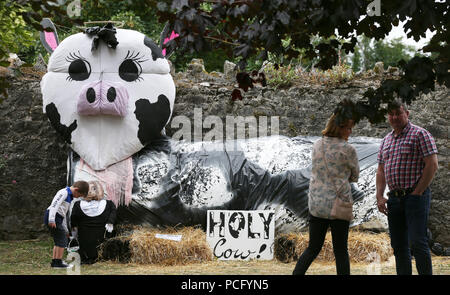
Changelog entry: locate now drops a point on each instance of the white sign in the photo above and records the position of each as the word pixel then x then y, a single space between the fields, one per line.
pixel 241 235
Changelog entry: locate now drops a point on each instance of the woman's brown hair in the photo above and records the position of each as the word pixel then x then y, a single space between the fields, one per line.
pixel 342 115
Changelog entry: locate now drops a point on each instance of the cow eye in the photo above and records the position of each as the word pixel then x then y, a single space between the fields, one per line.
pixel 130 69
pixel 79 68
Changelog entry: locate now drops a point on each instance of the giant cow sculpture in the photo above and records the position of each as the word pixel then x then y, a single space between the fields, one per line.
pixel 107 101
pixel 109 93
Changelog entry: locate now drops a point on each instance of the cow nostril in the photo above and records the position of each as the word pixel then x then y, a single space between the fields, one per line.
pixel 90 95
pixel 111 95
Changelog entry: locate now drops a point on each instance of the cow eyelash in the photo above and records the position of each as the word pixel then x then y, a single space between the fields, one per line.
pixel 135 57
pixel 74 56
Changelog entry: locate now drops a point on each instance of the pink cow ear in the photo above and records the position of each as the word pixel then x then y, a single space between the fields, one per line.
pixel 48 35
pixel 167 40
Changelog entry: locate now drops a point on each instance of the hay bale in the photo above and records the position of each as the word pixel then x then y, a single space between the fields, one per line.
pixel 285 247
pixel 139 245
pixel 147 249
pixel 362 247
pixel 117 249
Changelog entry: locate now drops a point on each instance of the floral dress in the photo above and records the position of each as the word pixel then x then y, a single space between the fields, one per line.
pixel 343 168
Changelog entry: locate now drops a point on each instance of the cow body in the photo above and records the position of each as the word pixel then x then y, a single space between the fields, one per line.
pixel 177 182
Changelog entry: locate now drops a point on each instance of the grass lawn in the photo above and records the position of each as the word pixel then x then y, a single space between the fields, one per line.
pixel 32 257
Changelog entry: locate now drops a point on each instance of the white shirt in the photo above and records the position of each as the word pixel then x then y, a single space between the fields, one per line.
pixel 60 204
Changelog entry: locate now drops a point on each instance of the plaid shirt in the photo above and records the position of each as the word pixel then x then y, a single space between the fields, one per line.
pixel 402 156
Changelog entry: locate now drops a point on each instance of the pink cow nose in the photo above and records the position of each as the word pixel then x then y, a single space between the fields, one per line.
pixel 103 98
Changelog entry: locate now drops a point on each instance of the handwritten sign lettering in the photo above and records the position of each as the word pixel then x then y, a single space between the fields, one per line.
pixel 241 235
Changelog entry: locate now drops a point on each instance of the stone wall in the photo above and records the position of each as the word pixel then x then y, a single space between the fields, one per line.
pixel 33 157
pixel 32 162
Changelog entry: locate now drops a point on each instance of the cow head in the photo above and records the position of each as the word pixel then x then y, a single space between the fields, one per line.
pixel 107 99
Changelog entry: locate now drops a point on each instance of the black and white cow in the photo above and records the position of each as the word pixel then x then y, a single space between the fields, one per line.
pixel 107 102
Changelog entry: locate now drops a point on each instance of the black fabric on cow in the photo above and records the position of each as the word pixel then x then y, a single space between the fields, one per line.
pixel 252 187
pixel 156 50
pixel 55 119
pixel 152 118
pixel 106 33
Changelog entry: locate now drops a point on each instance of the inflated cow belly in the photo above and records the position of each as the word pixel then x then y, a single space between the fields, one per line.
pixel 176 182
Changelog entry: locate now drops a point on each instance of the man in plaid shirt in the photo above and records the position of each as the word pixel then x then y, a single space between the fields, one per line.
pixel 407 162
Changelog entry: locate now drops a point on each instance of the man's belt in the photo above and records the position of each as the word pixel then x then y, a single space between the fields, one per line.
pixel 399 193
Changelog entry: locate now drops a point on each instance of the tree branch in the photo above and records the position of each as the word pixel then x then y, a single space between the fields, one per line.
pixel 220 40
